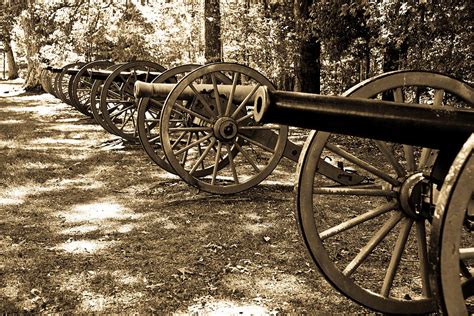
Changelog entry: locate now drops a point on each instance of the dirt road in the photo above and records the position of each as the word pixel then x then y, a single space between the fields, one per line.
pixel 91 225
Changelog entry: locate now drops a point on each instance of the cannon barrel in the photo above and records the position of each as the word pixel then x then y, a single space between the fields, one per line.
pixel 414 124
pixel 54 69
pixel 103 74
pixel 143 89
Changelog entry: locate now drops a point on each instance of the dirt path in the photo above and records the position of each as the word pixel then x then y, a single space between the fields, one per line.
pixel 88 225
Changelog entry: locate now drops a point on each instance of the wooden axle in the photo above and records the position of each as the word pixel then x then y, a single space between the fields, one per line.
pixel 414 124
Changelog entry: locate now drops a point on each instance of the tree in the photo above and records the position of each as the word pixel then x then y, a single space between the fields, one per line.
pixel 212 31
pixel 7 18
pixel 307 61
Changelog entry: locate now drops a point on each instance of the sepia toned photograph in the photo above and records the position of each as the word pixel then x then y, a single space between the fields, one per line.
pixel 236 157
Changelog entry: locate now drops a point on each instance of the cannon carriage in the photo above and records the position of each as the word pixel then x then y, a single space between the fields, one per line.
pixel 384 147
pixel 417 143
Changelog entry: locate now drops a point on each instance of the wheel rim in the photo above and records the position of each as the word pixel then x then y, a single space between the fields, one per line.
pixel 148 117
pixel 452 235
pixel 95 101
pixel 216 149
pixel 117 102
pixel 381 216
pixel 80 86
pixel 61 83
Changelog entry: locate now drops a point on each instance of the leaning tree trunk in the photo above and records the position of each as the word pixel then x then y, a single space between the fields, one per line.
pixel 307 63
pixel 12 66
pixel 212 31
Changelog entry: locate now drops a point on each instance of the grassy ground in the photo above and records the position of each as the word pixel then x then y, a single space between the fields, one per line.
pixel 90 225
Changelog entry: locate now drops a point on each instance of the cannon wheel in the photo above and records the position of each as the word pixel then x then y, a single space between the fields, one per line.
pixel 61 83
pixel 80 86
pixel 149 110
pixel 451 250
pixel 212 141
pixel 44 80
pixel 117 103
pixel 368 240
pixel 95 101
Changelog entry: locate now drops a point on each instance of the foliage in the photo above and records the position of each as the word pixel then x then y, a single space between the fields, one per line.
pixel 359 38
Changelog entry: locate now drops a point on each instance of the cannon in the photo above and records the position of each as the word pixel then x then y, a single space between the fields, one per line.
pixel 371 241
pixel 210 139
pixel 104 91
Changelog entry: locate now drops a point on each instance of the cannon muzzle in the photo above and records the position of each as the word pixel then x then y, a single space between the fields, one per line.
pixel 414 124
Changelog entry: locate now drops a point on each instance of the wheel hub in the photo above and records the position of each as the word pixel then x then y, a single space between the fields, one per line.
pixel 225 129
pixel 416 197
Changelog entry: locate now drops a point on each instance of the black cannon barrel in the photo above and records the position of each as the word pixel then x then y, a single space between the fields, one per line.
pixel 414 124
pixel 54 69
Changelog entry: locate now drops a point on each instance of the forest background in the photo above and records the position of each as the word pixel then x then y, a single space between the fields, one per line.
pixel 302 45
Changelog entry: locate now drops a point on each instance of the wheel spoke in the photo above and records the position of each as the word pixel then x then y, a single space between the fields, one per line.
pixel 206 104
pixel 231 164
pixel 193 144
pixel 438 97
pixel 364 165
pixel 370 246
pixel 190 129
pixel 410 157
pixel 204 154
pixel 342 227
pixel 354 191
pixel 216 94
pixel 191 112
pixel 216 163
pixel 244 102
pixel 121 111
pixel 247 156
pixel 185 155
pixel 246 117
pixel 235 80
pixel 176 142
pixel 391 158
pixel 396 256
pixel 423 257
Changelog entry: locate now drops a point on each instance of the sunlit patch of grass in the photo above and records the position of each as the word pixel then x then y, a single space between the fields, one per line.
pixel 11 122
pixel 82 229
pixel 98 211
pixel 14 196
pixel 208 305
pixel 58 141
pixel 75 127
pixel 101 291
pixel 84 246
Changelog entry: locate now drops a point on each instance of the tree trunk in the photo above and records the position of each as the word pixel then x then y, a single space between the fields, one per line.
pixel 33 73
pixel 212 31
pixel 12 66
pixel 307 63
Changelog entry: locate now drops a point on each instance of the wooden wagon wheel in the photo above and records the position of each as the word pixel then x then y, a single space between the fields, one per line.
pixel 369 241
pixel 44 80
pixel 209 131
pixel 50 78
pixel 451 244
pixel 95 101
pixel 118 104
pixel 61 83
pixel 148 116
pixel 80 86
